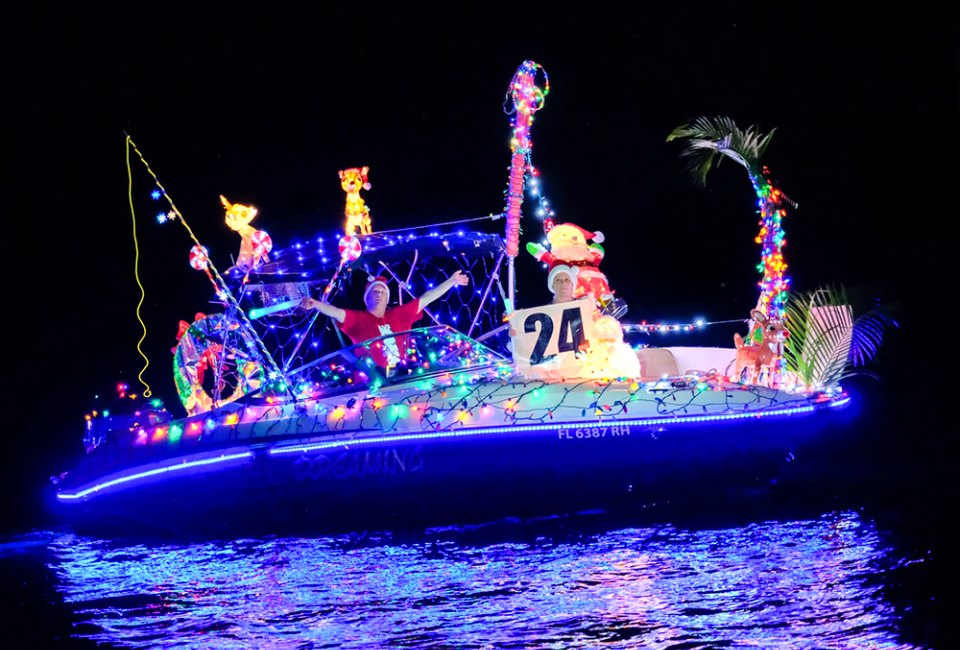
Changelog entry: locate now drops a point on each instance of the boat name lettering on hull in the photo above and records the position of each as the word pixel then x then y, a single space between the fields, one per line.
pixel 600 431
pixel 359 464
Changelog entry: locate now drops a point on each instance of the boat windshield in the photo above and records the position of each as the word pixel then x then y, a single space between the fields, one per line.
pixel 393 359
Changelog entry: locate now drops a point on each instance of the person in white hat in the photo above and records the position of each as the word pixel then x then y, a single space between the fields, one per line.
pixel 579 248
pixel 561 282
pixel 377 320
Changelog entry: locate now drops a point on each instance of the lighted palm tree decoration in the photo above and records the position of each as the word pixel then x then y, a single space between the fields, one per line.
pixel 826 342
pixel 709 140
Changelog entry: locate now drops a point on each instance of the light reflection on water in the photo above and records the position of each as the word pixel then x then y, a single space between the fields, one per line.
pixel 796 584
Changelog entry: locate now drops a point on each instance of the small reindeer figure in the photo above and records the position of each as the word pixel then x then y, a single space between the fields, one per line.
pixel 761 351
pixel 357 213
pixel 254 244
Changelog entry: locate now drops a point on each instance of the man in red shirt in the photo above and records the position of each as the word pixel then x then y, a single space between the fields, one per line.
pixel 377 320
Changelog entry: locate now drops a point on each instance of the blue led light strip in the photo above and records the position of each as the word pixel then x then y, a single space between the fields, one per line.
pixel 184 465
pixel 435 435
pixel 439 435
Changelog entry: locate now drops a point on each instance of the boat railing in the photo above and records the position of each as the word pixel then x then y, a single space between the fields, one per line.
pixel 423 352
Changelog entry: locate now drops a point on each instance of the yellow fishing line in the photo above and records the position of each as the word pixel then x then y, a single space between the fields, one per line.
pixel 136 274
pixel 219 282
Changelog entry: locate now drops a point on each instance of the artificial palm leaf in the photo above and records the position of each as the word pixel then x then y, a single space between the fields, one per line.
pixel 709 137
pixel 827 340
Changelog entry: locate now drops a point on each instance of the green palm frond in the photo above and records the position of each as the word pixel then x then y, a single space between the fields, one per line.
pixel 710 137
pixel 828 342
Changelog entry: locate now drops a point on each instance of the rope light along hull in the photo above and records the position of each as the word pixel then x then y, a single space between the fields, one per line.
pixel 321 464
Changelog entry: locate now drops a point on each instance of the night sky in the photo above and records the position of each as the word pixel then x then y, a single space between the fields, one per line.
pixel 266 106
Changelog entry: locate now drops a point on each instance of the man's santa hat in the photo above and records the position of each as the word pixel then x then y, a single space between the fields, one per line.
pixel 567 230
pixel 556 270
pixel 372 282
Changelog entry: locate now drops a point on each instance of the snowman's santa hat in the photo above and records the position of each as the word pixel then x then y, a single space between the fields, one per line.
pixel 564 231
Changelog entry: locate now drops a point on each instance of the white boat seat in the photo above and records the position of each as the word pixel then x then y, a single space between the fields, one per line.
pixel 656 362
pixel 677 361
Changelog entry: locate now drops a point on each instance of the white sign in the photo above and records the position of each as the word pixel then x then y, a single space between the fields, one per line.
pixel 547 340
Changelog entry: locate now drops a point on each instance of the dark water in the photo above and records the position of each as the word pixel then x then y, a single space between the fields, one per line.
pixel 847 552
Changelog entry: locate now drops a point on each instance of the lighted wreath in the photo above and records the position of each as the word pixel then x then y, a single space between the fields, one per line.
pixel 213 364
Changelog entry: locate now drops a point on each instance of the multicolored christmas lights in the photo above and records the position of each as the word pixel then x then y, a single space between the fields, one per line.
pixel 774 284
pixel 526 98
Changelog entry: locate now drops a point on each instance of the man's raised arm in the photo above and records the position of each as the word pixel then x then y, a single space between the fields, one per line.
pixel 324 308
pixel 457 278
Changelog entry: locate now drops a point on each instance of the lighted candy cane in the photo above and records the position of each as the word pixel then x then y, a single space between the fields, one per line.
pixel 350 250
pixel 262 244
pixel 527 98
pixel 200 261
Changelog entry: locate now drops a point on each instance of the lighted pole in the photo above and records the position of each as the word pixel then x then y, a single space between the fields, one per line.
pixel 774 283
pixel 708 138
pixel 526 98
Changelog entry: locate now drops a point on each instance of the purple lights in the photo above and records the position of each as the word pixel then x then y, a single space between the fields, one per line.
pixel 85 488
pixel 174 467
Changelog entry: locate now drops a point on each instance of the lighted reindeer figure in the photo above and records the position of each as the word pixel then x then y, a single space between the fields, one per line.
pixel 759 355
pixel 357 213
pixel 254 244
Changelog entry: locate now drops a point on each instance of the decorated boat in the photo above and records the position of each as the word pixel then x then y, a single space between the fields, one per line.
pixel 489 409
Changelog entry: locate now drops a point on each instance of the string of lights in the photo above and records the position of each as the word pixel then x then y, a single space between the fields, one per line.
pixel 452 401
pixel 457 222
pixel 644 327
pixel 774 283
